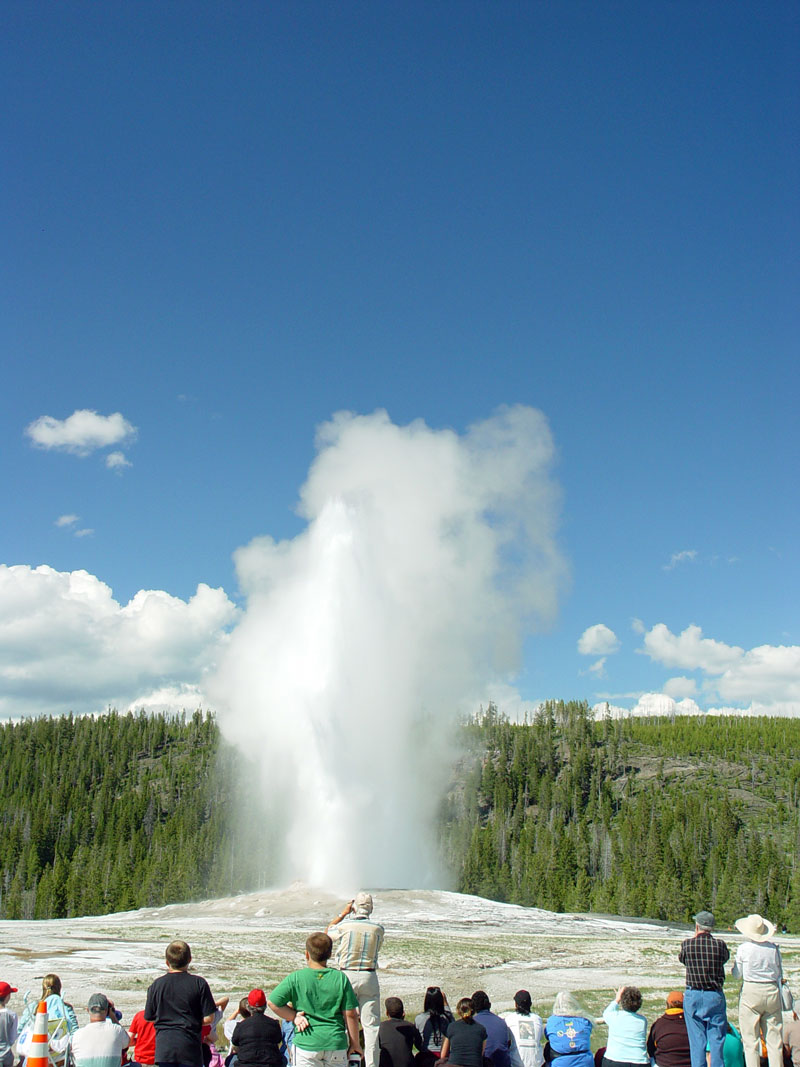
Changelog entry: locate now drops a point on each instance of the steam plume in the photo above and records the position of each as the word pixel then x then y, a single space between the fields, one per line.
pixel 425 557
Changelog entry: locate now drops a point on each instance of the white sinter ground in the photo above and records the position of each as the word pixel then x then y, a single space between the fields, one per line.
pixel 460 942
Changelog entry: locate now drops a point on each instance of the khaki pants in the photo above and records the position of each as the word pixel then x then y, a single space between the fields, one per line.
pixel 760 1005
pixel 368 994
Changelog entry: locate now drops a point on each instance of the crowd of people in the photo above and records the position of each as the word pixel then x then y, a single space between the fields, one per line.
pixel 329 1016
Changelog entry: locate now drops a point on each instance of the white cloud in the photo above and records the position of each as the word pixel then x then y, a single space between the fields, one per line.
pixel 66 520
pixel 598 640
pixel 638 626
pixel 689 555
pixel 680 687
pixel 117 461
pixel 66 644
pixel 598 668
pixel 81 433
pixel 85 532
pixel 765 676
pixel 689 650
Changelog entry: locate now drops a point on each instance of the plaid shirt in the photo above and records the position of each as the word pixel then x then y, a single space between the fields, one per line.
pixel 704 957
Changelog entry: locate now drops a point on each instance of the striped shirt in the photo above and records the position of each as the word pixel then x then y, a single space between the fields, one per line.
pixel 356 943
pixel 704 957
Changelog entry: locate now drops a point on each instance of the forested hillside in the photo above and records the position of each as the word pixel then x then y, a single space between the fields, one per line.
pixel 634 817
pixel 117 812
pixel 651 817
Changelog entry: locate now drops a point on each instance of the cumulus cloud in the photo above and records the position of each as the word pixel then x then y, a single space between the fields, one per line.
pixel 83 432
pixel 680 687
pixel 67 645
pixel 117 461
pixel 689 650
pixel 598 640
pixel 689 555
pixel 765 676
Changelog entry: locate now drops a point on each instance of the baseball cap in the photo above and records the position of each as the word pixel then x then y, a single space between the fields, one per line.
pixel 98 1004
pixel 6 990
pixel 257 998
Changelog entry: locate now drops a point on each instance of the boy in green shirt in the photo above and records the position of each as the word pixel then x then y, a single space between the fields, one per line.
pixel 322 1005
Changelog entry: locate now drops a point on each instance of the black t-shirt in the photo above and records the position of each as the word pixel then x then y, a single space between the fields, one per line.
pixel 397 1039
pixel 177 1003
pixel 466 1043
pixel 257 1039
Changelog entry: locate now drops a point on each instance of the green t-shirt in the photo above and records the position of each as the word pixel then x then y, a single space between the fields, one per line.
pixel 322 995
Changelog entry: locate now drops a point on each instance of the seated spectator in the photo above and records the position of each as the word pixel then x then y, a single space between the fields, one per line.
pixel 397 1039
pixel 627 1030
pixel 433 1022
pixel 242 1012
pixel 568 1032
pixel 498 1040
pixel 791 1037
pixel 57 1009
pixel 210 1035
pixel 732 1048
pixel 143 1037
pixel 9 1025
pixel 668 1041
pixel 527 1030
pixel 98 1044
pixel 465 1043
pixel 257 1040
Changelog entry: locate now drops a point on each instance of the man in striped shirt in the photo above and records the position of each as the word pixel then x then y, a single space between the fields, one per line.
pixel 704 957
pixel 357 941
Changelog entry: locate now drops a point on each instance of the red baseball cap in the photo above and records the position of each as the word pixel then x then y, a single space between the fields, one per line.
pixel 6 990
pixel 257 998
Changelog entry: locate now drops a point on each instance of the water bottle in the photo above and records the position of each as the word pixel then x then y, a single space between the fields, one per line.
pixel 354 1060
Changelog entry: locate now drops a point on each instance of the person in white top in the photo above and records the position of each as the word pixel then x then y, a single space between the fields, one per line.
pixel 758 964
pixel 527 1030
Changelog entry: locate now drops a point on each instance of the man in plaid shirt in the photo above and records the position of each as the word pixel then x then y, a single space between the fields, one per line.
pixel 704 957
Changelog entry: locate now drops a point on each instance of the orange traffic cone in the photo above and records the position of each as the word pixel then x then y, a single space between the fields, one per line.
pixel 39 1038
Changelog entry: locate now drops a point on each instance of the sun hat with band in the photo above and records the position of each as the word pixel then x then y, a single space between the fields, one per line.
pixel 755 928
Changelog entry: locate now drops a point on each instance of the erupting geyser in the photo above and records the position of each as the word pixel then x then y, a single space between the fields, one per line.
pixel 425 557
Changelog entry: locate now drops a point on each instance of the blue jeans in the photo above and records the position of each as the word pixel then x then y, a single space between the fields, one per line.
pixel 706 1024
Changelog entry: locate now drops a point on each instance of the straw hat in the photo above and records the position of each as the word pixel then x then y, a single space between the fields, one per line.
pixel 755 928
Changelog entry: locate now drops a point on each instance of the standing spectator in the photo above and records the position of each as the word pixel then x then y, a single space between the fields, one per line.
pixel 627 1030
pixel 320 1001
pixel 9 1025
pixel 397 1039
pixel 179 1003
pixel 358 940
pixel 758 963
pixel 498 1036
pixel 527 1031
pixel 704 957
pixel 257 1040
pixel 465 1044
pixel 433 1022
pixel 568 1032
pixel 143 1036
pixel 668 1042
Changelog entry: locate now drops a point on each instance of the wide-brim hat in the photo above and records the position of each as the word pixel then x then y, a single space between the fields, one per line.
pixel 755 928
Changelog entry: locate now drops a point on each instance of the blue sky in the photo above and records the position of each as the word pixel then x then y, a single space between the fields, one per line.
pixel 225 223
